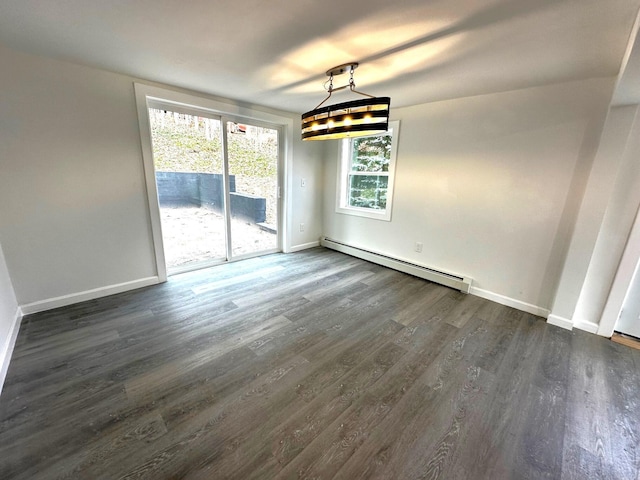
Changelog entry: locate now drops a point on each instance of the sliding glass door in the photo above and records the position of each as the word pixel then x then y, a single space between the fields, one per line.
pixel 253 195
pixel 217 184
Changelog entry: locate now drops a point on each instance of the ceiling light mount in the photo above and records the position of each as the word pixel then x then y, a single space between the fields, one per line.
pixel 349 119
pixel 340 69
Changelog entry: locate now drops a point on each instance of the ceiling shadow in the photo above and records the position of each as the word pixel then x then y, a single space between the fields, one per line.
pixel 489 16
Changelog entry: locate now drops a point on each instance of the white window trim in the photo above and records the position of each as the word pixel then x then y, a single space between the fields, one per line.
pixel 342 205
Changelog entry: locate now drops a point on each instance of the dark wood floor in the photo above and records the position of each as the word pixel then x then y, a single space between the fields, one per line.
pixel 313 365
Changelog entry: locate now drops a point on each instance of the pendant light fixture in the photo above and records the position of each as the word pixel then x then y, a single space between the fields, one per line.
pixel 356 118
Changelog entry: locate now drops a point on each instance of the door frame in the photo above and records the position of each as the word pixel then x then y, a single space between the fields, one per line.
pixel 622 281
pixel 147 94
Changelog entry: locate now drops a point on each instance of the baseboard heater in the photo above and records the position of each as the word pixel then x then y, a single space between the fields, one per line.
pixel 443 278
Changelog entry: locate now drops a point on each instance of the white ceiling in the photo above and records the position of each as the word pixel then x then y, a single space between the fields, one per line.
pixel 275 53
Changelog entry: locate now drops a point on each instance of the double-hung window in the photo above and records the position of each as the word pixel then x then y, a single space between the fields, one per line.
pixel 366 170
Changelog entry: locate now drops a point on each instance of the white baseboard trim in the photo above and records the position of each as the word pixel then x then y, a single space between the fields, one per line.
pixel 560 322
pixel 510 302
pixel 64 300
pixel 586 326
pixel 7 348
pixel 303 246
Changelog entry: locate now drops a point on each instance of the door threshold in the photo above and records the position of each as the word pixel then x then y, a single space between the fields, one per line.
pixel 195 266
pixel 627 340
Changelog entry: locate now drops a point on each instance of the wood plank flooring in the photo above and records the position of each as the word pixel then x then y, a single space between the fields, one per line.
pixel 313 365
pixel 626 340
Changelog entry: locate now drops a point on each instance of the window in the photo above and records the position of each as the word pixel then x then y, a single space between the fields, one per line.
pixel 365 174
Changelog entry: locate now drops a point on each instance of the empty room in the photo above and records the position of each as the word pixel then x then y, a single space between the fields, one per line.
pixel 304 240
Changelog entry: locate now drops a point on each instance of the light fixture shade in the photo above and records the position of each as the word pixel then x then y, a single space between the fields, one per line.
pixel 349 119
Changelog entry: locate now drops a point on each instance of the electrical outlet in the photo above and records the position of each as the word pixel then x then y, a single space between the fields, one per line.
pixel 303 182
pixel 418 247
pixel 302 227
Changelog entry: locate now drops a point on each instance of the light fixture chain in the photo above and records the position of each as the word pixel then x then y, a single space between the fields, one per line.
pixel 330 83
pixel 352 83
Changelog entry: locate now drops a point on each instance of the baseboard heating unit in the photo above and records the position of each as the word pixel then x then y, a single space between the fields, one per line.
pixel 443 278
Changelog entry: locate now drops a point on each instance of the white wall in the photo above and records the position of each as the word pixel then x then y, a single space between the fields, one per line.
pixel 306 201
pixel 73 208
pixel 490 185
pixel 9 318
pixel 8 302
pixel 72 202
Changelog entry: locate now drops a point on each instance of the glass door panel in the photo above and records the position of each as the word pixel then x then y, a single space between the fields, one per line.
pixel 188 160
pixel 253 188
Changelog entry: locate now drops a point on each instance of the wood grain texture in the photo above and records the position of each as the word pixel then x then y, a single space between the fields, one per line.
pixel 313 365
pixel 625 340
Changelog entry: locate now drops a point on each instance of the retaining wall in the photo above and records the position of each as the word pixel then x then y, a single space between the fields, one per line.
pixel 182 189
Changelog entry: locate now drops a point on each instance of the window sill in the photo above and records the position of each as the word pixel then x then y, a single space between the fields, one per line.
pixel 384 215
